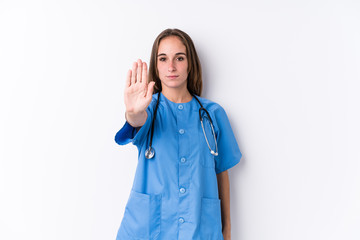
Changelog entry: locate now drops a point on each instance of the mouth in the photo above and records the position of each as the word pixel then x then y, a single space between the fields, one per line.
pixel 172 76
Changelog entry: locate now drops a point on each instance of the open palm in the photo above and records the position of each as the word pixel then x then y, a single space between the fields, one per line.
pixel 138 92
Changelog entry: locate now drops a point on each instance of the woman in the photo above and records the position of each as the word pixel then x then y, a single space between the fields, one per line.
pixel 181 185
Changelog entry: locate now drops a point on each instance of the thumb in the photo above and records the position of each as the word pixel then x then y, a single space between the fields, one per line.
pixel 150 89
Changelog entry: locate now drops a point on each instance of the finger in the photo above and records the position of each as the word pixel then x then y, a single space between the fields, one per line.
pixel 139 70
pixel 133 75
pixel 128 78
pixel 144 73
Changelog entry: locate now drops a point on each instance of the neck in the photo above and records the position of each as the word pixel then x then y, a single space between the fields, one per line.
pixel 177 95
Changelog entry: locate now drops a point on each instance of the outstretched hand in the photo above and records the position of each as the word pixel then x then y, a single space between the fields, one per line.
pixel 138 92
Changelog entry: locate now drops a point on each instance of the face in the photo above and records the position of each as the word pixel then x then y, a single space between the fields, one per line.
pixel 172 63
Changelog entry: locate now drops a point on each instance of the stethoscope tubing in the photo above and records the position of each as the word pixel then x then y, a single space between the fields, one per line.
pixel 150 151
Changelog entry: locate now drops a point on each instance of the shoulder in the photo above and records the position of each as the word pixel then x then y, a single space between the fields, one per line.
pixel 154 98
pixel 153 101
pixel 211 106
pixel 217 113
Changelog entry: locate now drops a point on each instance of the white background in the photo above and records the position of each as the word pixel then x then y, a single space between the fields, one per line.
pixel 286 72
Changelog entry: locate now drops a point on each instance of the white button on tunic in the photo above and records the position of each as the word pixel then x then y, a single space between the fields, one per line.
pixel 175 194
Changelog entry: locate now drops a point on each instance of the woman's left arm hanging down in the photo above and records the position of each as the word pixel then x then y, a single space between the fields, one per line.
pixel 224 195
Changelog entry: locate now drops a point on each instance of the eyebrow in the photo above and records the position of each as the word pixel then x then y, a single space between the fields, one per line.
pixel 176 54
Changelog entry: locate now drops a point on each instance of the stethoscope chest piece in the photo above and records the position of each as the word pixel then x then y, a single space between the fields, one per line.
pixel 149 153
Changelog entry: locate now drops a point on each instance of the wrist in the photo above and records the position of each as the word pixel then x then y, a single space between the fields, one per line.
pixel 136 119
pixel 134 112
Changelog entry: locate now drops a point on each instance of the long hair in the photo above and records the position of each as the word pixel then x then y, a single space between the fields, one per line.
pixel 194 80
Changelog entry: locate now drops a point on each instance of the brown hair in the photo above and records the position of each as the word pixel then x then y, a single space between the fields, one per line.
pixel 194 80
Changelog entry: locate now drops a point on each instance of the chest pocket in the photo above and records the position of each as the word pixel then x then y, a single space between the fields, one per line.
pixel 207 159
pixel 142 217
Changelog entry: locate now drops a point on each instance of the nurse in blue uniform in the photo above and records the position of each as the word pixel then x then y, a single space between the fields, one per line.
pixel 181 185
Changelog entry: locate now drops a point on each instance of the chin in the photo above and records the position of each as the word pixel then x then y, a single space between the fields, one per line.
pixel 174 84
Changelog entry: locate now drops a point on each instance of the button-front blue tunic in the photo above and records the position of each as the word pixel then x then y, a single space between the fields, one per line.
pixel 175 194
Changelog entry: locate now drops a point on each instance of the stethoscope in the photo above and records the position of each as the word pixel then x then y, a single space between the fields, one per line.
pixel 150 151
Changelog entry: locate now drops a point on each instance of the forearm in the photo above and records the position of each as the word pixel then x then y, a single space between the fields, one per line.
pixel 224 195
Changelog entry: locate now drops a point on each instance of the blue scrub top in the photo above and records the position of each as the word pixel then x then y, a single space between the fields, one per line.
pixel 175 194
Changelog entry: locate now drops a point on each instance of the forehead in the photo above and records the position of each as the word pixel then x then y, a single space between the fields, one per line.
pixel 171 44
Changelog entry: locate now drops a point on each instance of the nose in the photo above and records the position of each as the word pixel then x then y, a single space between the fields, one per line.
pixel 171 66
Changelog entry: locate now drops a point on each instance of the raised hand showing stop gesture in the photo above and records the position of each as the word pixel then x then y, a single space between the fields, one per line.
pixel 138 94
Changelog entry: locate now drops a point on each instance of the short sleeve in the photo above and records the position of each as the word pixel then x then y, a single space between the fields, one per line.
pixel 228 149
pixel 130 134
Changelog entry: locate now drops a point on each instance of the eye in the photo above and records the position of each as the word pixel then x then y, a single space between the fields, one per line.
pixel 162 59
pixel 180 58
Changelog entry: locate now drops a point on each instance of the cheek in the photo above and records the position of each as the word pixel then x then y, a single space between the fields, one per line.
pixel 186 66
pixel 160 69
